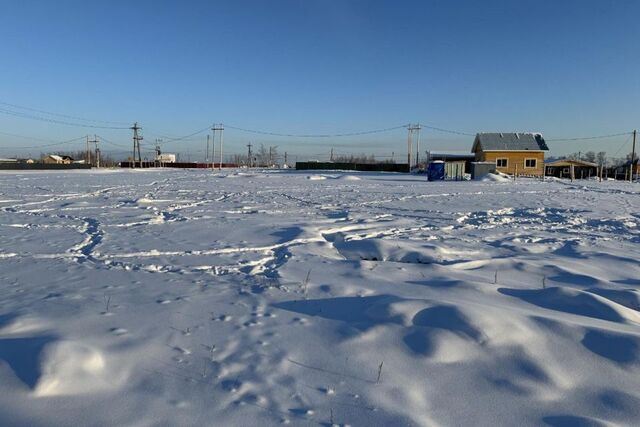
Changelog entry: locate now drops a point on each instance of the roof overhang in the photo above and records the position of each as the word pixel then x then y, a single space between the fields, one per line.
pixel 567 162
pixel 513 151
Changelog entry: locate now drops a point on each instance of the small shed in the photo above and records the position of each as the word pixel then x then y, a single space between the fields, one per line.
pixel 456 165
pixel 563 169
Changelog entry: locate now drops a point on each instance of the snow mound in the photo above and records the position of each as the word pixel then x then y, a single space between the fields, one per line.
pixel 348 178
pixel 575 301
pixel 19 325
pixel 72 368
pixel 495 177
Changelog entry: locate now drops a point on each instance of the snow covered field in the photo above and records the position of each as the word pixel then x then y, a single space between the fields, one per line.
pixel 151 298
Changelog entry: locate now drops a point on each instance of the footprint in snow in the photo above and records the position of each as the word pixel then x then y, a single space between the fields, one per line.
pixel 182 350
pixel 302 411
pixel 118 331
pixel 327 390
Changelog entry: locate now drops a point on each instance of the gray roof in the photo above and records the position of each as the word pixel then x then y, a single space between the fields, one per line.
pixel 509 141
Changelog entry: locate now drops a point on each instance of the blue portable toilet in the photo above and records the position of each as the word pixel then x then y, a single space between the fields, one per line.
pixel 435 171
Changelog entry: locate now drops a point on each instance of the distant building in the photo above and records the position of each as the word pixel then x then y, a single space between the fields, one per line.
pixel 513 153
pixel 58 159
pixel 166 158
pixel 564 168
pixel 622 171
pixel 29 161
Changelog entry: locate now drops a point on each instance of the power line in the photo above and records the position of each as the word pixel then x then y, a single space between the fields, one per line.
pixel 170 139
pixel 455 132
pixel 103 139
pixel 589 137
pixel 335 135
pixel 623 145
pixel 60 115
pixel 59 122
pixel 44 145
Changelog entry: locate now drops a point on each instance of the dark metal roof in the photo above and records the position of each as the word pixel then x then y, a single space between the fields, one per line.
pixel 451 156
pixel 509 142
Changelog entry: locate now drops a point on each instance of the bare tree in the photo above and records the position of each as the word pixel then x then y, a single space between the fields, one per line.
pixel 590 156
pixel 262 156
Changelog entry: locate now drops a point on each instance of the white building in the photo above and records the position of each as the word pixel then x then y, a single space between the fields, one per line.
pixel 166 158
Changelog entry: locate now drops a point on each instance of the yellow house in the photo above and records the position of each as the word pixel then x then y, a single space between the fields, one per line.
pixel 513 153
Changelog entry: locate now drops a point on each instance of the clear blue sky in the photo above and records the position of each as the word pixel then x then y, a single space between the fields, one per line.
pixel 566 68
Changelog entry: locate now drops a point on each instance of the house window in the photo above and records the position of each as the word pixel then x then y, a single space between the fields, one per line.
pixel 531 163
pixel 502 163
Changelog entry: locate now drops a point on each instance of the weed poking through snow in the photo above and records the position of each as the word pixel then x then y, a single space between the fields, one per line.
pixel 107 303
pixel 305 285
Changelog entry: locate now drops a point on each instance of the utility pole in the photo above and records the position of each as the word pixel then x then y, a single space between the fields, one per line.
pixel 213 148
pixel 633 155
pixel 87 155
pixel 249 154
pixel 270 157
pixel 331 155
pixel 410 129
pixel 94 141
pixel 206 156
pixel 136 144
pixel 219 128
pixel 285 159
pixel 413 129
pixel 158 160
pixel 417 129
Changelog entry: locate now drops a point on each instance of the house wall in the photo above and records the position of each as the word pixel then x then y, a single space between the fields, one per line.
pixel 514 158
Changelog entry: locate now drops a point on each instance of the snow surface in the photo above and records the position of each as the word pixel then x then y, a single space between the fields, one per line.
pixel 144 298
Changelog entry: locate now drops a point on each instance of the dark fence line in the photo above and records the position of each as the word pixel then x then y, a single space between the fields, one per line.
pixel 365 167
pixel 42 166
pixel 180 165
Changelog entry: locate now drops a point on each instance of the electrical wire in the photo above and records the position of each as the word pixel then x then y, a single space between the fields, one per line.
pixel 623 145
pixel 588 137
pixel 455 132
pixel 60 122
pixel 103 139
pixel 168 139
pixel 335 135
pixel 180 138
pixel 60 115
pixel 46 145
